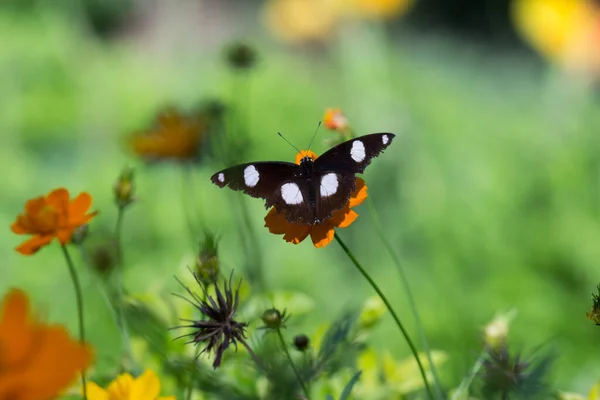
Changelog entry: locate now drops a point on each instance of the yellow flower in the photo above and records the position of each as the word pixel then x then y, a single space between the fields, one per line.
pixel 564 31
pixel 379 9
pixel 37 361
pixel 301 20
pixel 126 387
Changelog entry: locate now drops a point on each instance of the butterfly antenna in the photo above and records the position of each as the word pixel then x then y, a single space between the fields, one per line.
pixel 290 143
pixel 313 138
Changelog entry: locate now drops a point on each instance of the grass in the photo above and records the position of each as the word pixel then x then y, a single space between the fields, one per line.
pixel 490 193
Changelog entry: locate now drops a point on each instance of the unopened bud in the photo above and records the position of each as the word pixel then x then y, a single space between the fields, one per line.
pixel 301 342
pixel 124 188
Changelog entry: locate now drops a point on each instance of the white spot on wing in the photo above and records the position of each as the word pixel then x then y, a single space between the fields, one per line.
pixel 329 184
pixel 357 152
pixel 221 177
pixel 251 176
pixel 385 139
pixel 290 192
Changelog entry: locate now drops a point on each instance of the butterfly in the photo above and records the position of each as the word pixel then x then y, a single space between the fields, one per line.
pixel 308 193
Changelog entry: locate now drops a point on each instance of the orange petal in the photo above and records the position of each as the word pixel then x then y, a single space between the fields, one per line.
pixel 278 225
pixel 322 234
pixel 305 153
pixel 349 218
pixel 34 206
pixel 32 245
pixel 55 365
pixel 17 228
pixel 80 204
pixel 360 193
pixel 16 333
pixel 64 235
pixel 59 199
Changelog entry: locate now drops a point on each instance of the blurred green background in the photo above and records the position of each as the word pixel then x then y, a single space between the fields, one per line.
pixel 490 194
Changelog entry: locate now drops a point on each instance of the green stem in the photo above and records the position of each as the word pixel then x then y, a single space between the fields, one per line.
pixel 79 300
pixel 119 276
pixel 411 300
pixel 463 390
pixel 186 183
pixel 193 366
pixel 296 372
pixel 390 309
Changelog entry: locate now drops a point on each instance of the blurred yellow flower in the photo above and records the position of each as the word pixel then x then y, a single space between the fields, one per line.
pixel 301 20
pixel 37 361
pixel 126 387
pixel 564 31
pixel 593 395
pixel 378 9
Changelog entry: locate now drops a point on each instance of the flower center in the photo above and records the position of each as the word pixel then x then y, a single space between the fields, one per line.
pixel 45 221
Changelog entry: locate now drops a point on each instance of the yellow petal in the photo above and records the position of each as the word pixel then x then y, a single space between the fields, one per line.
pixel 95 392
pixel 145 387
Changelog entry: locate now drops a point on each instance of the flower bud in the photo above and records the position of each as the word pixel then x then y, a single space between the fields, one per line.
pixel 272 318
pixel 80 233
pixel 241 56
pixel 124 188
pixel 301 342
pixel 496 332
pixel 207 262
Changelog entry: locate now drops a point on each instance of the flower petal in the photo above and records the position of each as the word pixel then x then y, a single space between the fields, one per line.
pixel 56 364
pixel 79 205
pixel 360 193
pixel 120 388
pixel 18 228
pixel 34 206
pixel 145 387
pixel 95 392
pixel 64 235
pixel 32 245
pixel 16 334
pixel 305 153
pixel 349 218
pixel 296 233
pixel 59 199
pixel 276 222
pixel 322 234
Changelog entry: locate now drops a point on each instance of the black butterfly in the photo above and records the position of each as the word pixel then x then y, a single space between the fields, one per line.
pixel 310 192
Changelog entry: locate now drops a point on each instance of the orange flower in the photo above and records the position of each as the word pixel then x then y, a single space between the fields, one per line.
pixel 37 361
pixel 335 120
pixel 175 136
pixel 52 216
pixel 321 234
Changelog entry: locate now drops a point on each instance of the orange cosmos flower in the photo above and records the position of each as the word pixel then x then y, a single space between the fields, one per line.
pixel 564 31
pixel 335 120
pixel 321 234
pixel 37 361
pixel 51 216
pixel 175 136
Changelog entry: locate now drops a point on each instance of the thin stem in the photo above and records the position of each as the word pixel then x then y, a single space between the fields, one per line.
pixel 79 300
pixel 119 276
pixel 255 357
pixel 185 184
pixel 193 365
pixel 463 389
pixel 296 372
pixel 390 309
pixel 411 300
pixel 254 263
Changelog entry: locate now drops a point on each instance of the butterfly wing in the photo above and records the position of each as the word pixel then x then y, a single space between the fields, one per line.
pixel 354 155
pixel 280 184
pixel 335 170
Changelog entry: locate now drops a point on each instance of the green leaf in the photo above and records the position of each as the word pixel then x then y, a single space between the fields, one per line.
pixel 348 389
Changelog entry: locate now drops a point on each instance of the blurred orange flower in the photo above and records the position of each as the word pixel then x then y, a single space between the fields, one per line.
pixel 37 361
pixel 51 216
pixel 126 387
pixel 565 31
pixel 335 119
pixel 321 234
pixel 175 136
